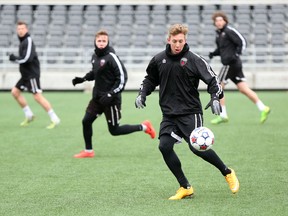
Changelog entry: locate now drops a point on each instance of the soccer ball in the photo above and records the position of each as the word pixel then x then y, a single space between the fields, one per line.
pixel 202 139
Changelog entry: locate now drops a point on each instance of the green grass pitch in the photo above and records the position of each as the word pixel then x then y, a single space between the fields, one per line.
pixel 39 176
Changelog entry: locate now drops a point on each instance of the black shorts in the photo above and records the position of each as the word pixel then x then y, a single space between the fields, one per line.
pixel 31 85
pixel 181 126
pixel 233 72
pixel 112 113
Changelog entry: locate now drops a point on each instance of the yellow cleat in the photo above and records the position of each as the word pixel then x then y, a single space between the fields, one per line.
pixel 219 120
pixel 232 181
pixel 264 114
pixel 27 121
pixel 182 193
pixel 53 124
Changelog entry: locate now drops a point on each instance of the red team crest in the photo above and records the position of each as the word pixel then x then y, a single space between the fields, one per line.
pixel 183 61
pixel 102 62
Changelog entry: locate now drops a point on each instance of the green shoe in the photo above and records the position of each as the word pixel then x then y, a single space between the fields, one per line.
pixel 26 121
pixel 264 114
pixel 219 120
pixel 53 124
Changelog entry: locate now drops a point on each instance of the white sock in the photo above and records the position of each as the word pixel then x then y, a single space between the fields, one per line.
pixel 28 112
pixel 89 150
pixel 54 118
pixel 223 113
pixel 260 105
pixel 144 127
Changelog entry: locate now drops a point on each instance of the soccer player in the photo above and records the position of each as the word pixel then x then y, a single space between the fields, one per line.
pixel 177 71
pixel 30 77
pixel 230 45
pixel 110 77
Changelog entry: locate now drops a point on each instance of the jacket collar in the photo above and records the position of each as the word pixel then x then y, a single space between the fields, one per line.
pixel 221 30
pixel 105 51
pixel 24 37
pixel 179 55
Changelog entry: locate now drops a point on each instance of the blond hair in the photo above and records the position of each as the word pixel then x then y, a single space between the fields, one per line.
pixel 178 29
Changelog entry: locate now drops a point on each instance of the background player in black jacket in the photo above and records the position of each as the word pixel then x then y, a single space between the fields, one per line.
pixel 177 71
pixel 230 45
pixel 110 77
pixel 30 77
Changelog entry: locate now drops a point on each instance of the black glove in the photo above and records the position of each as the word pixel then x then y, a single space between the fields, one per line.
pixel 211 55
pixel 12 57
pixel 106 99
pixel 77 80
pixel 215 105
pixel 238 51
pixel 140 101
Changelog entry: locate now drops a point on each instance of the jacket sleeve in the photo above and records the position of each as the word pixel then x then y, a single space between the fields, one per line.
pixel 208 76
pixel 90 75
pixel 216 52
pixel 238 39
pixel 151 80
pixel 120 74
pixel 27 51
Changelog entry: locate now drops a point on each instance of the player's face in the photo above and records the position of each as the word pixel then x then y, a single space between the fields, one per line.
pixel 177 43
pixel 21 30
pixel 101 41
pixel 219 22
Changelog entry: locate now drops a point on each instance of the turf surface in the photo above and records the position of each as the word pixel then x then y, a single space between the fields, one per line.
pixel 39 176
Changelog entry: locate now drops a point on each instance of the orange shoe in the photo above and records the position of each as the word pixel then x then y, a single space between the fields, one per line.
pixel 149 129
pixel 84 154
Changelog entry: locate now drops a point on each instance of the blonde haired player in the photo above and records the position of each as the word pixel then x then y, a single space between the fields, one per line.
pixel 177 71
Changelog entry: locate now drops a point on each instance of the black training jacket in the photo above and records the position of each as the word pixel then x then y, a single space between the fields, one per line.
pixel 109 73
pixel 230 44
pixel 29 65
pixel 178 78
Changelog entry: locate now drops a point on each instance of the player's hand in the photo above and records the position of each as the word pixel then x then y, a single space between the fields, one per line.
pixel 238 51
pixel 106 99
pixel 215 105
pixel 140 101
pixel 210 55
pixel 77 80
pixel 12 57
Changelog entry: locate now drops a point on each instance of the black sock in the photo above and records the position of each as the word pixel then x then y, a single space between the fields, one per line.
pixel 226 171
pixel 187 186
